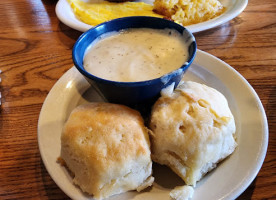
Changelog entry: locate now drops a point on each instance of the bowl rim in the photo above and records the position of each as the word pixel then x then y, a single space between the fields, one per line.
pixel 134 83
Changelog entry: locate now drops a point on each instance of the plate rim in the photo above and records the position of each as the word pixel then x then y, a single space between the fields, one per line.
pixel 235 10
pixel 237 191
pixel 246 182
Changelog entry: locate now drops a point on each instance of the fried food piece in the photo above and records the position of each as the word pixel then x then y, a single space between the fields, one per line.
pixel 187 12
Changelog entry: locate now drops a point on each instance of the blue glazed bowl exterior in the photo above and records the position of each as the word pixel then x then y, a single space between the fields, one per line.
pixel 131 93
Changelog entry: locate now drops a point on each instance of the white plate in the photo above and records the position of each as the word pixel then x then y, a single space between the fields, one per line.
pixel 227 181
pixel 233 9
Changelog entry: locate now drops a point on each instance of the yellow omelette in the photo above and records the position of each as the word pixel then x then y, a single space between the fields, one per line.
pixel 94 13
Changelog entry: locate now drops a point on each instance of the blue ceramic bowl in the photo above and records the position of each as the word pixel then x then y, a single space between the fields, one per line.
pixel 131 93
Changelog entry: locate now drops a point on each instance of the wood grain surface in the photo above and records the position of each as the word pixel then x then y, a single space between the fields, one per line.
pixel 35 51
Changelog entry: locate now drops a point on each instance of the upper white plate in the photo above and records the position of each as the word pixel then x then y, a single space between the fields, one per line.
pixel 227 181
pixel 233 9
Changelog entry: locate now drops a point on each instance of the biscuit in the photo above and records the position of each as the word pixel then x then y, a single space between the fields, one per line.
pixel 192 130
pixel 106 147
pixel 182 192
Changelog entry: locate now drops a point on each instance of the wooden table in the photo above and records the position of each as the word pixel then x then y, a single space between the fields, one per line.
pixel 35 51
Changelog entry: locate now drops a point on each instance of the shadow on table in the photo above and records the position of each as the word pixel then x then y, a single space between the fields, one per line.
pixel 247 195
pixel 72 35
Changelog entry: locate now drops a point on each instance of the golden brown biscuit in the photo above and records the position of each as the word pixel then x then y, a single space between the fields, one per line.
pixel 107 148
pixel 192 130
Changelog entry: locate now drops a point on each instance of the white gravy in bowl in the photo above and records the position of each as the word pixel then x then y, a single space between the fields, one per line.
pixel 136 54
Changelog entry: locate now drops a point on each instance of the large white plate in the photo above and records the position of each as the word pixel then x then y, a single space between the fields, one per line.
pixel 227 181
pixel 233 9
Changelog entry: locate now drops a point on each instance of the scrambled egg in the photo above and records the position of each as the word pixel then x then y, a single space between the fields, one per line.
pixel 94 13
